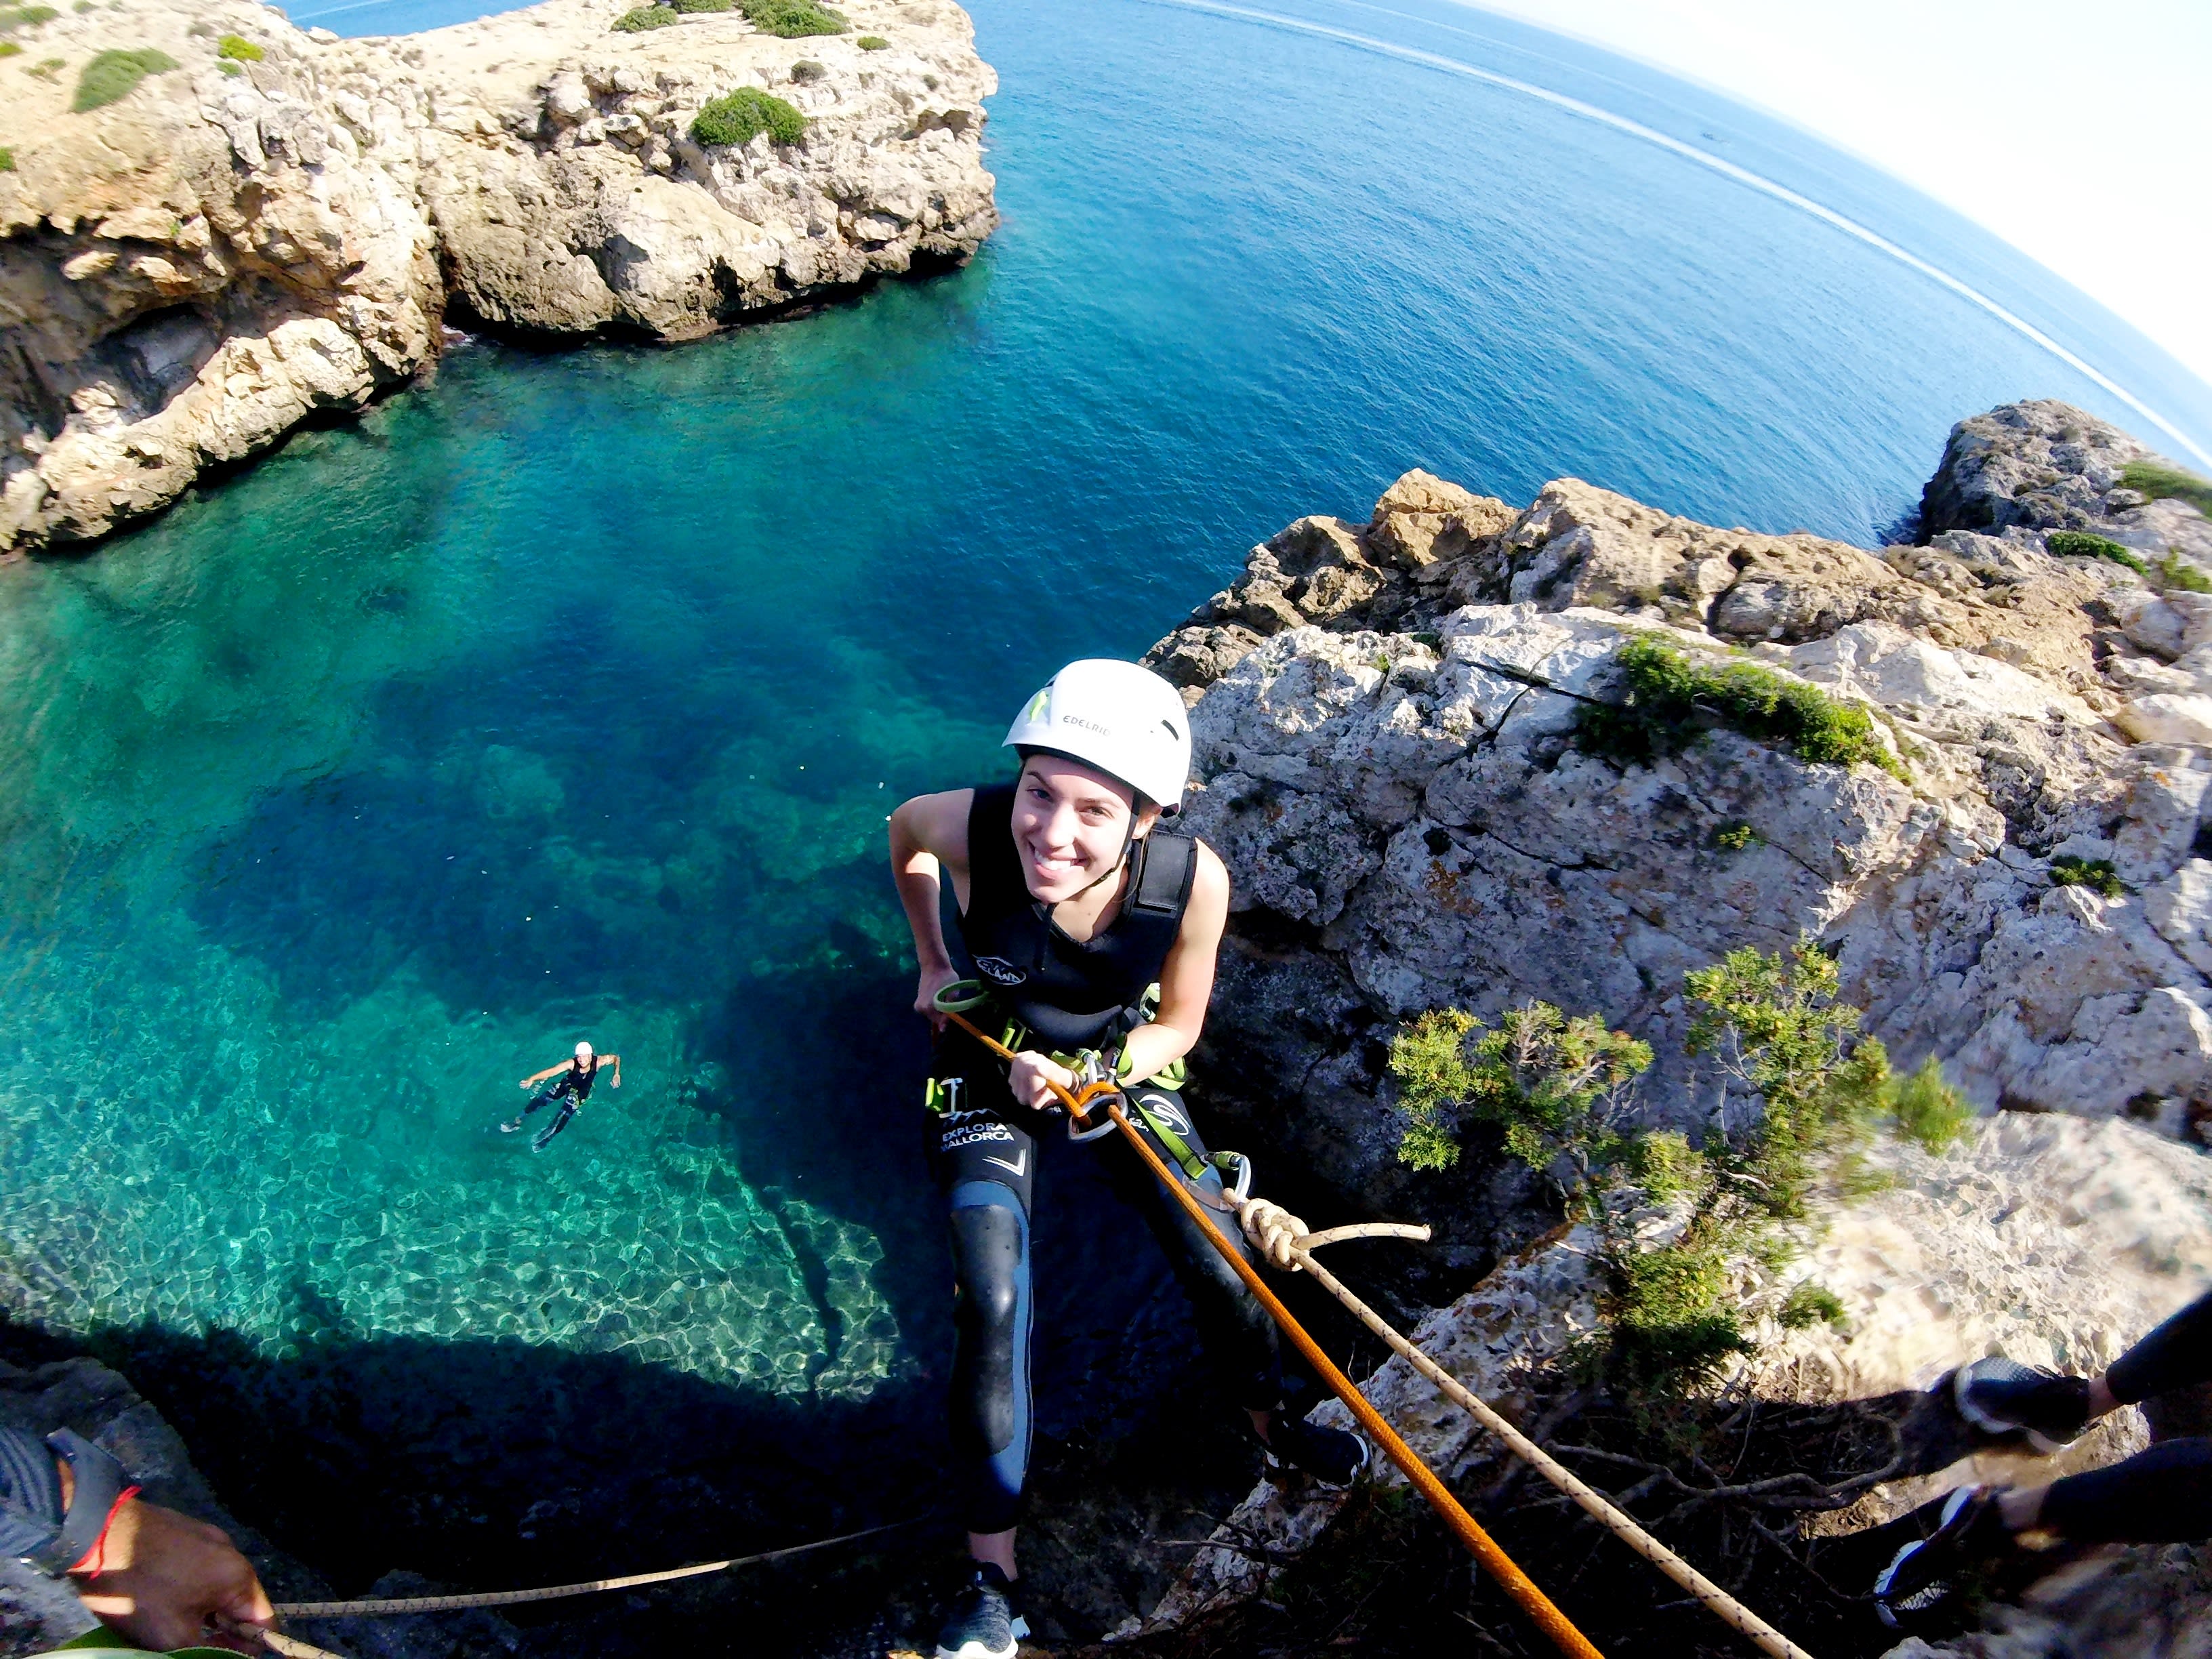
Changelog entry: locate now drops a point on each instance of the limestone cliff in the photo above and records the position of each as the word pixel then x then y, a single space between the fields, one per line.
pixel 240 242
pixel 1386 725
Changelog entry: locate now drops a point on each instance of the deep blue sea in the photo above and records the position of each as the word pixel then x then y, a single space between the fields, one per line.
pixel 566 697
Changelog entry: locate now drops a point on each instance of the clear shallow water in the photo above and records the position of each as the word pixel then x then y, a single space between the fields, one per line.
pixel 567 697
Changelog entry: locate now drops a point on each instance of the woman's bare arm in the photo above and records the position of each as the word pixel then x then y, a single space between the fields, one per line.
pixel 929 842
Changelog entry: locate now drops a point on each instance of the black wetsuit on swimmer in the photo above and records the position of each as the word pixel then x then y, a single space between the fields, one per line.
pixel 572 1089
pixel 984 1145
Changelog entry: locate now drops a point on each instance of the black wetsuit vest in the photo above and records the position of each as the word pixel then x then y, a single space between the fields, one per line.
pixel 1074 995
pixel 577 1084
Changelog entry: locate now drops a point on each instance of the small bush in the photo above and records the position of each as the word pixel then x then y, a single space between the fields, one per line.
pixel 1670 699
pixel 229 68
pixel 2080 545
pixel 872 43
pixel 2096 874
pixel 2178 573
pixel 2168 484
pixel 9 49
pixel 704 5
pixel 806 71
pixel 239 49
pixel 739 116
pixel 1666 1165
pixel 639 18
pixel 793 19
pixel 199 31
pixel 112 74
pixel 1926 1109
pixel 25 17
pixel 7 160
pixel 47 68
pixel 1811 1305
pixel 1549 1081
pixel 1737 838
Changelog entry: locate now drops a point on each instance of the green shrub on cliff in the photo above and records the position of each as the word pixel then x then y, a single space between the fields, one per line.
pixel 639 18
pixel 7 160
pixel 1799 1091
pixel 2171 484
pixel 792 19
pixel 2177 574
pixel 1670 698
pixel 9 49
pixel 238 49
pixel 872 43
pixel 2095 874
pixel 25 17
pixel 704 5
pixel 739 116
pixel 112 74
pixel 2080 545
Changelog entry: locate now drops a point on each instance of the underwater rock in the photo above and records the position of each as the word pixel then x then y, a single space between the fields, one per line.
pixel 243 241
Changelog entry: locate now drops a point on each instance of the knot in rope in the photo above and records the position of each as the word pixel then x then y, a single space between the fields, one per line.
pixel 1274 1230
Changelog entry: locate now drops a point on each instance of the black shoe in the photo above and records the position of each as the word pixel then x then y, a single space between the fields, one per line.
pixel 1333 1457
pixel 2001 1397
pixel 982 1624
pixel 1930 1579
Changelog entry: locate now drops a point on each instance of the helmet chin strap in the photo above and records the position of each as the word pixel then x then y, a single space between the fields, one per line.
pixel 1122 858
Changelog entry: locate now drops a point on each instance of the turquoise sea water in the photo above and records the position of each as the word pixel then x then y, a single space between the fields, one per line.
pixel 566 697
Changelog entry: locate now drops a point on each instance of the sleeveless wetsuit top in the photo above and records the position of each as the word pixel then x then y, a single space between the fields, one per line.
pixel 579 1079
pixel 1072 994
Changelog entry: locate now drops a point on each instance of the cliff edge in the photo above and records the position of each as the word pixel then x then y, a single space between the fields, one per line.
pixel 217 225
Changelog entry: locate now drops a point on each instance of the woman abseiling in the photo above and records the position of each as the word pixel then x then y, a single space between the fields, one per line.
pixel 1079 910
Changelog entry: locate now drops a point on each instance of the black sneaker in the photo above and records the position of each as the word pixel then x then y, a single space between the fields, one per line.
pixel 982 1624
pixel 1333 1457
pixel 2001 1397
pixel 1928 1579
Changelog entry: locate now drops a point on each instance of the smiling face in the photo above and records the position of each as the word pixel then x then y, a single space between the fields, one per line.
pixel 1070 824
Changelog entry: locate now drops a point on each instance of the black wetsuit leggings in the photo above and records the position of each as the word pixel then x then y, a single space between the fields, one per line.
pixel 983 1151
pixel 2161 1496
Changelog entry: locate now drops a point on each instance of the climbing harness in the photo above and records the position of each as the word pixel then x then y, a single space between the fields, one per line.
pixel 1283 1239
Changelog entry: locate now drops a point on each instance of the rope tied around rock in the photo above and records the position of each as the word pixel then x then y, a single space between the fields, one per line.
pixel 1281 1237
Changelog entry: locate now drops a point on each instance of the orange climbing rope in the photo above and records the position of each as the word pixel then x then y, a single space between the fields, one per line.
pixel 1480 1544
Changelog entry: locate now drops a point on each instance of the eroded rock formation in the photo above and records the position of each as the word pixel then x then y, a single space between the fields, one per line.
pixel 238 244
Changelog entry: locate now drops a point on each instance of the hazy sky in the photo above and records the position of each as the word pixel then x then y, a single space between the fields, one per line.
pixel 2080 133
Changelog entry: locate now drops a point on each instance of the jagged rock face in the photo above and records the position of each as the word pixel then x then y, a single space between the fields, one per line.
pixel 190 271
pixel 1409 821
pixel 2047 465
pixel 2056 1241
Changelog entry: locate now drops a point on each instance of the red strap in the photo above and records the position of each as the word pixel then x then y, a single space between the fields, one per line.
pixel 97 1555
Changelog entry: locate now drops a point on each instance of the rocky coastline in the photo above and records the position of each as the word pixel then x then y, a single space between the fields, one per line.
pixel 278 231
pixel 2013 875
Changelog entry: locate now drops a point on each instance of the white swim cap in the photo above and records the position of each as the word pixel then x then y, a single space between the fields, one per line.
pixel 583 1051
pixel 1121 719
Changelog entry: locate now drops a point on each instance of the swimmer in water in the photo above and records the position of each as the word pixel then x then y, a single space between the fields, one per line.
pixel 572 1088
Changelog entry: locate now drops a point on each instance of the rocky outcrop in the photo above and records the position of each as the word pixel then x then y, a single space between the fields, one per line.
pixel 1386 717
pixel 241 243
pixel 2054 1240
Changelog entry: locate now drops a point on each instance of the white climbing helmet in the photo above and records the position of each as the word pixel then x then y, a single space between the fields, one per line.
pixel 1124 720
pixel 583 1051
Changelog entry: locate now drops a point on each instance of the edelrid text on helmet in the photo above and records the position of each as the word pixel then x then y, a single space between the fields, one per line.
pixel 1123 719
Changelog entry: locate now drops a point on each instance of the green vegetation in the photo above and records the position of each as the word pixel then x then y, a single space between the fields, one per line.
pixel 2096 874
pixel 1811 1305
pixel 1549 1081
pixel 25 17
pixel 1737 838
pixel 229 68
pixel 639 18
pixel 704 5
pixel 2176 573
pixel 46 68
pixel 2080 545
pixel 739 116
pixel 2167 484
pixel 239 49
pixel 806 71
pixel 1801 1092
pixel 792 19
pixel 1671 699
pixel 7 160
pixel 872 43
pixel 112 74
pixel 9 49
